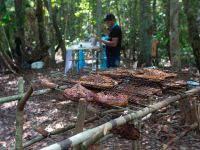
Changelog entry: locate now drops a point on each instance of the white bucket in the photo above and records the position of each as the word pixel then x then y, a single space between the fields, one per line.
pixel 37 65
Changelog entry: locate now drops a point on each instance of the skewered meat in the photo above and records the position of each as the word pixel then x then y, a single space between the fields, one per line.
pixel 77 92
pixel 97 81
pixel 155 72
pixel 119 73
pixel 174 84
pixel 112 100
pixel 146 73
pixel 154 75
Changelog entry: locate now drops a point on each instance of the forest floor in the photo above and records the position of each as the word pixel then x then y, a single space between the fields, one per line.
pixel 51 111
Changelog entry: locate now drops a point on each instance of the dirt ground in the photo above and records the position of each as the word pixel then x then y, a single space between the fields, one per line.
pixel 52 111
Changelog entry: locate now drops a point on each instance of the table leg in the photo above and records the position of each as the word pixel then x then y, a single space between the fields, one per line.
pixel 97 60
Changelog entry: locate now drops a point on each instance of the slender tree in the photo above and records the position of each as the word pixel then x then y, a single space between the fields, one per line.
pixel 20 21
pixel 59 34
pixel 133 27
pixel 145 33
pixel 167 25
pixel 193 30
pixel 174 34
pixel 154 12
pixel 41 25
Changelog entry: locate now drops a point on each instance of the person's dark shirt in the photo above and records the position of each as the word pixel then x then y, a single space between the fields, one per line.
pixel 115 32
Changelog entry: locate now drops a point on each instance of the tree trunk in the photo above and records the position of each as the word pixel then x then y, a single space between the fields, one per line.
pixel 59 35
pixel 4 50
pixel 2 8
pixel 193 31
pixel 154 17
pixel 133 28
pixel 20 20
pixel 167 24
pixel 145 33
pixel 99 20
pixel 174 34
pixel 51 35
pixel 41 26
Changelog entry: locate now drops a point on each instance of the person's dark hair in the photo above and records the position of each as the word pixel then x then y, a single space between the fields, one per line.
pixel 109 17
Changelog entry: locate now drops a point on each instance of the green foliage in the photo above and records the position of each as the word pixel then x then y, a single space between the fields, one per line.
pixel 78 18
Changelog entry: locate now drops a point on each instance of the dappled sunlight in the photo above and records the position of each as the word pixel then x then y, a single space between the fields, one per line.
pixel 3 78
pixel 165 63
pixel 12 85
pixel 65 102
pixel 8 83
pixel 12 82
pixel 55 110
pixel 52 127
pixel 52 111
pixel 8 105
pixel 58 56
pixel 42 118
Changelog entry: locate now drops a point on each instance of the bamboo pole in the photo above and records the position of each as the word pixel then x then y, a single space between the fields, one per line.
pixel 80 116
pixel 81 137
pixel 20 114
pixel 96 137
pixel 80 119
pixel 35 93
pixel 61 130
pixel 19 117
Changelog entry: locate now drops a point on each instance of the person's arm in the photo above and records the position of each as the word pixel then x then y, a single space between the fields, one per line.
pixel 112 43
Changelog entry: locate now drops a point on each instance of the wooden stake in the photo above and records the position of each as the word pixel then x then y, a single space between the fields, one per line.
pixel 136 143
pixel 185 108
pixel 20 114
pixel 19 117
pixel 80 118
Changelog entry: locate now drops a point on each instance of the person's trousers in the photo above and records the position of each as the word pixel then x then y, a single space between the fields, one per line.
pixel 113 61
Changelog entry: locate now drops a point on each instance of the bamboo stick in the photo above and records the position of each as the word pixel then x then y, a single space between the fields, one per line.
pixel 61 130
pixel 19 117
pixel 35 93
pixel 81 137
pixel 20 114
pixel 96 137
pixel 80 116
pixel 80 119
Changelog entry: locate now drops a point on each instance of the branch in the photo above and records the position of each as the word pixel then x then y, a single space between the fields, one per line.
pixel 22 103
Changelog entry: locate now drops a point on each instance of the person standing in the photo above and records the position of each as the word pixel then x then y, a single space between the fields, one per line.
pixel 113 44
pixel 154 52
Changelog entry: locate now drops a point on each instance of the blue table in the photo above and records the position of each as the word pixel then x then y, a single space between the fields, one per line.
pixel 79 60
